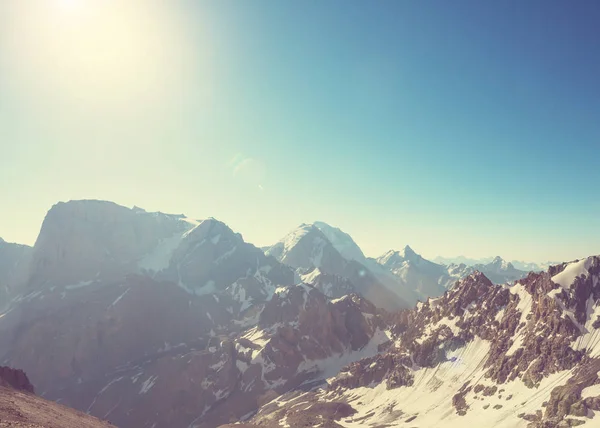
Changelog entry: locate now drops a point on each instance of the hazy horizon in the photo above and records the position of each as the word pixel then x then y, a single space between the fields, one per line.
pixel 374 255
pixel 461 129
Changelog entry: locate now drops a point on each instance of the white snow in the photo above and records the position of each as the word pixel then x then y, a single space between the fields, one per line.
pixel 225 255
pixel 80 284
pixel 340 299
pixel 524 306
pixel 590 337
pixel 329 367
pixel 567 277
pixel 341 241
pixel 207 288
pixel 258 337
pixel 102 391
pixel 160 257
pixel 316 257
pixel 148 384
pixel 591 391
pixel 430 398
pixel 430 328
pixel 310 277
pixel 525 301
pixel 289 241
pixel 118 299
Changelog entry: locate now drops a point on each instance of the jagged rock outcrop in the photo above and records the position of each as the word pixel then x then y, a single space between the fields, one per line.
pixel 15 379
pixel 522 355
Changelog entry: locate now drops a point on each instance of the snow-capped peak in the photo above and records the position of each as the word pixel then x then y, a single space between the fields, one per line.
pixel 393 258
pixel 407 253
pixel 500 263
pixel 341 241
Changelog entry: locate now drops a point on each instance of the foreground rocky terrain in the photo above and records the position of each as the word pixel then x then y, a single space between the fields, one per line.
pixel 20 408
pixel 525 355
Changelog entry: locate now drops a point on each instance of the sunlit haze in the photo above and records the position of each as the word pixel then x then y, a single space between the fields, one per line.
pixel 458 129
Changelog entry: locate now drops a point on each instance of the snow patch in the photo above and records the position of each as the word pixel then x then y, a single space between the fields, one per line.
pixel 148 384
pixel 573 270
pixel 330 367
pixel 160 257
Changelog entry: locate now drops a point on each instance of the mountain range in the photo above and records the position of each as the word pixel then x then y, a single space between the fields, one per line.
pixel 157 320
pixel 518 264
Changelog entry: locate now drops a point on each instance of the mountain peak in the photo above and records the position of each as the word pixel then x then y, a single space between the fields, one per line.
pixel 341 241
pixel 407 252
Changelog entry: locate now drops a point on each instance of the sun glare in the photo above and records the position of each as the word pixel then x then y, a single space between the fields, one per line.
pixel 98 53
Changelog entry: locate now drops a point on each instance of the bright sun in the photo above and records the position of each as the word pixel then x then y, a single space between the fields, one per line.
pixel 109 53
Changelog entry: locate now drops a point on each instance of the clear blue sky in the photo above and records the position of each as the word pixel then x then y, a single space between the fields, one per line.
pixel 463 127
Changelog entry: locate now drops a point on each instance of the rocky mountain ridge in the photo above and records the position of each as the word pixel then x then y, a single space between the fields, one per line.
pixel 156 320
pixel 491 355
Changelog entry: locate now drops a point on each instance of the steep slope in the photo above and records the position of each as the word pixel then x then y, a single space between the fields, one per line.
pixel 307 248
pixel 14 265
pixel 341 241
pixel 348 249
pixel 330 285
pixel 525 355
pixel 20 408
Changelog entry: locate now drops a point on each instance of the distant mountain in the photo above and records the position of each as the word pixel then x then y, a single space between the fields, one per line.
pixel 498 271
pixel 462 260
pixel 346 246
pixel 307 248
pixel 520 265
pixel 428 279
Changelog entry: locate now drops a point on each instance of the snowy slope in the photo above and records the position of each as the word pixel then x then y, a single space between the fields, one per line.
pixel 526 355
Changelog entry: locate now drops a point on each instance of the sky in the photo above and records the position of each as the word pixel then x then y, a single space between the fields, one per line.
pixel 460 128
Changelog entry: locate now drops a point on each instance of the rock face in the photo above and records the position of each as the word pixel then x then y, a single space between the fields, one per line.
pixel 525 355
pixel 14 265
pixel 157 320
pixel 15 379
